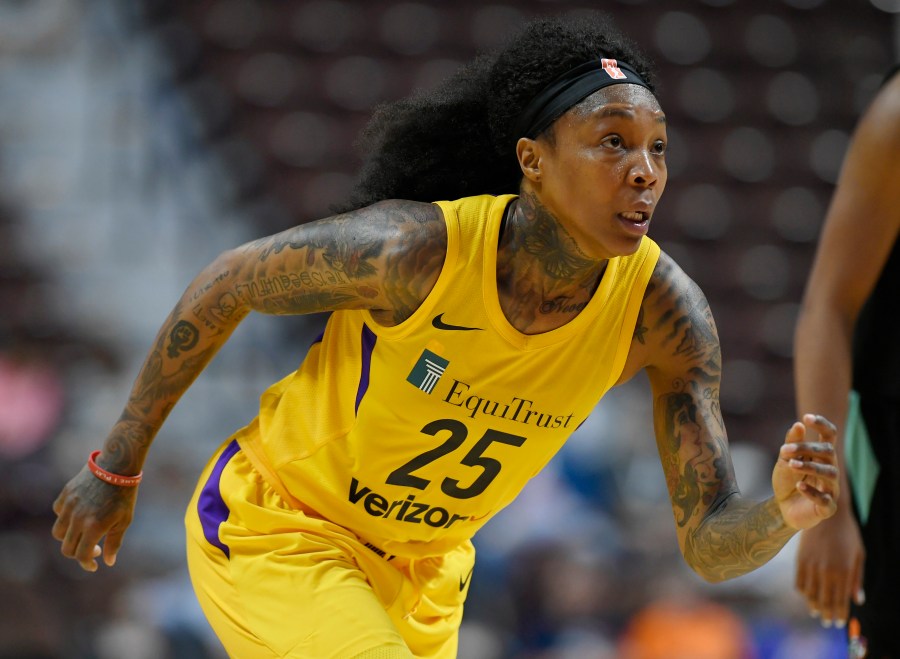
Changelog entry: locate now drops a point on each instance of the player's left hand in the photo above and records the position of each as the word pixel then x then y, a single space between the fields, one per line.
pixel 805 478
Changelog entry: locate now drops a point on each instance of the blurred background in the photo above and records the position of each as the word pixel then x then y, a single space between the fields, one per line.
pixel 139 139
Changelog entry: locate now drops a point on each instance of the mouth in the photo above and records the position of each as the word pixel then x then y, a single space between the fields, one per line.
pixel 635 217
pixel 635 221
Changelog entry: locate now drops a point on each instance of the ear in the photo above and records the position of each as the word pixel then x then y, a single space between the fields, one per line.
pixel 528 152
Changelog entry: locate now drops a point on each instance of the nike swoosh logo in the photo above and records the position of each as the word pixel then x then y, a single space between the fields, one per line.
pixel 463 582
pixel 439 323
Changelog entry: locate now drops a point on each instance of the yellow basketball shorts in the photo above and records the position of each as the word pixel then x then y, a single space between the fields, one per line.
pixel 275 581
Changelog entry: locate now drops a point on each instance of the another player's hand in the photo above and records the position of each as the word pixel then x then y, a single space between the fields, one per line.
pixel 830 563
pixel 805 478
pixel 88 509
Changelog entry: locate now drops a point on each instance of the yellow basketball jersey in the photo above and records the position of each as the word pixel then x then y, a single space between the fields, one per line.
pixel 413 436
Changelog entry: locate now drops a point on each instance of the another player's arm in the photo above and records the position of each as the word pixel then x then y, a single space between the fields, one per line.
pixel 384 258
pixel 862 224
pixel 721 534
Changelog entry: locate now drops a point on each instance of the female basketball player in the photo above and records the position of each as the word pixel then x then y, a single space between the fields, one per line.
pixel 467 339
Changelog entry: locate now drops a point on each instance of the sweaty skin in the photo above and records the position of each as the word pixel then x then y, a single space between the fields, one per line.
pixel 590 186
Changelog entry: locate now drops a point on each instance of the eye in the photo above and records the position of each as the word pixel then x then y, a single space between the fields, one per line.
pixel 613 141
pixel 659 147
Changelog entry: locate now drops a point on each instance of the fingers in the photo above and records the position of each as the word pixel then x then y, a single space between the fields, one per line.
pixel 811 468
pixel 827 594
pixel 87 552
pixel 826 602
pixel 806 586
pixel 820 451
pixel 825 503
pixel 856 581
pixel 834 601
pixel 811 591
pixel 795 433
pixel 826 429
pixel 60 527
pixel 78 546
pixel 88 512
pixel 844 592
pixel 816 462
pixel 816 465
pixel 111 546
pixel 58 503
pixel 827 471
pixel 82 547
pixel 76 543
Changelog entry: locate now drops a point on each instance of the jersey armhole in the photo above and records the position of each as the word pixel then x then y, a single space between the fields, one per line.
pixel 632 308
pixel 451 221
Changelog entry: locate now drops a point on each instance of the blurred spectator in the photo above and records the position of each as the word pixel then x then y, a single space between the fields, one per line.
pixel 682 628
pixel 31 404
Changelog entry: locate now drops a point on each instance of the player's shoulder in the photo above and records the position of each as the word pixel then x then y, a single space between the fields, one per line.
pixel 397 227
pixel 669 283
pixel 402 215
pixel 674 301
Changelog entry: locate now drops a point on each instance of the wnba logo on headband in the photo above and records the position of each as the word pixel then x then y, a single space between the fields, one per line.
pixel 612 69
pixel 571 88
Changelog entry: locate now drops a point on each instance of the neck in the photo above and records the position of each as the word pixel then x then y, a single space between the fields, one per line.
pixel 543 278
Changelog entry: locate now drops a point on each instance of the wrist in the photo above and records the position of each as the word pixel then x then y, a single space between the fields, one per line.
pixel 110 477
pixel 782 528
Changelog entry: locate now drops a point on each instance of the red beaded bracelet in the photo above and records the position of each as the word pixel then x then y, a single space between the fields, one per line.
pixel 109 477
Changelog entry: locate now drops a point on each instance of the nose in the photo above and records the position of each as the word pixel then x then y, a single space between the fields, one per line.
pixel 645 171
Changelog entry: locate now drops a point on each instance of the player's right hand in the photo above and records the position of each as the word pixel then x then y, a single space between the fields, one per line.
pixel 88 509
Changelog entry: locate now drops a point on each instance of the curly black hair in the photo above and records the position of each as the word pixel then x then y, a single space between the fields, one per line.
pixel 457 140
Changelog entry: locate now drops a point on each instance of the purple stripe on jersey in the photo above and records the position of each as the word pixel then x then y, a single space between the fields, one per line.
pixel 210 505
pixel 368 345
pixel 319 338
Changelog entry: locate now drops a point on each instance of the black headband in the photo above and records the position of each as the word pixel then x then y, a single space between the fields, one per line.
pixel 570 88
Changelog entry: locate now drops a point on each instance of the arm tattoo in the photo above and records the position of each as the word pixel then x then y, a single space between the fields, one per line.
pixel 639 328
pixel 344 262
pixel 347 261
pixel 736 538
pixel 180 354
pixel 722 534
pixel 348 251
pixel 410 273
pixel 182 338
pixel 694 461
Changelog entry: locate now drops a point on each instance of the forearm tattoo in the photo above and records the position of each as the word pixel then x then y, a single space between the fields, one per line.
pixel 738 537
pixel 722 534
pixel 174 362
